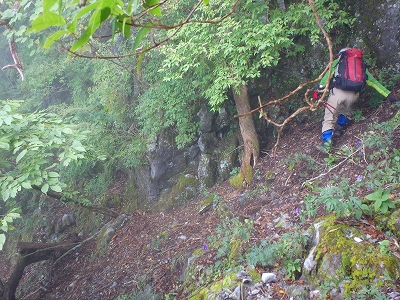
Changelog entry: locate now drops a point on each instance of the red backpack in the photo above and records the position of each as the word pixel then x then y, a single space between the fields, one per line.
pixel 350 74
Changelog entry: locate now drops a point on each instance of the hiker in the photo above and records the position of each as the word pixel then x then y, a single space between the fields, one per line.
pixel 350 77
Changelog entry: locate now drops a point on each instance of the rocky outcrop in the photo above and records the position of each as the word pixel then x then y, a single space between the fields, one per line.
pixel 176 175
pixel 341 257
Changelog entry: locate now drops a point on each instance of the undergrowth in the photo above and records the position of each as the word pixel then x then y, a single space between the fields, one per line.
pixel 369 194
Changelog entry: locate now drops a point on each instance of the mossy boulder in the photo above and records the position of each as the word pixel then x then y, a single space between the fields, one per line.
pixel 348 258
pixel 390 222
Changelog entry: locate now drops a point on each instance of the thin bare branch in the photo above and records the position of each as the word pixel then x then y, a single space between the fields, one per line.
pixel 156 44
pixel 311 105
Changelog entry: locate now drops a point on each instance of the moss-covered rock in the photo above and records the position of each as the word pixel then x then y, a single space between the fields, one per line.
pixel 346 255
pixel 390 222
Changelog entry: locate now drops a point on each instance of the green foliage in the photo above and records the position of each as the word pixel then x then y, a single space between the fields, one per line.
pixel 287 250
pixel 230 235
pixel 340 200
pixel 357 115
pixel 144 293
pixel 341 197
pixel 369 293
pixel 382 200
pixel 72 20
pixel 330 160
pixel 223 57
pixel 296 158
pixel 5 223
pixel 35 143
pixel 167 105
pixel 384 246
pixel 31 147
pixel 293 268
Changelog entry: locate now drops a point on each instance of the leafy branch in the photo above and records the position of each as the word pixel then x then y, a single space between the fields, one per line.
pixel 312 105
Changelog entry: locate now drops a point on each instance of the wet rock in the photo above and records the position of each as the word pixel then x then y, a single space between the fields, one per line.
pixel 107 232
pixel 206 171
pixel 207 120
pixel 207 142
pixel 65 222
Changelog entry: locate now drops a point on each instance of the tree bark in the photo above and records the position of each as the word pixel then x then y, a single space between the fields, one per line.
pixel 248 131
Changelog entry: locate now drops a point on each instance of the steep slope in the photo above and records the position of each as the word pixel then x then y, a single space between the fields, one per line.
pixel 152 249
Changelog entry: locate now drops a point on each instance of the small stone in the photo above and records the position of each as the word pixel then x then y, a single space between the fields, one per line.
pixel 255 292
pixel 314 294
pixel 269 278
pixel 358 240
pixel 246 279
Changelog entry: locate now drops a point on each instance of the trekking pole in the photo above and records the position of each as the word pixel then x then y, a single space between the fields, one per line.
pixel 330 107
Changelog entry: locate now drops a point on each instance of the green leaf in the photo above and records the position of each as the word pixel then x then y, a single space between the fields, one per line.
pixel 133 7
pixel 5 194
pixel 80 148
pixel 375 195
pixel 26 185
pixel 54 37
pixel 56 188
pixel 2 240
pixel 67 130
pixel 4 144
pixel 139 36
pixel 53 174
pixel 14 215
pixel 126 29
pixel 66 162
pixel 72 27
pixel 46 20
pixel 45 188
pixel 206 2
pixel 384 208
pixel 105 12
pixel 8 120
pixel 48 4
pixel 21 155
pixel 358 214
pixel 139 62
pixel 378 204
pixel 98 17
pixel 386 195
pixel 4 226
pixel 155 11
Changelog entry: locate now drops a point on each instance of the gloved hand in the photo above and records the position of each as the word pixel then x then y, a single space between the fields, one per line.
pixel 392 98
pixel 317 92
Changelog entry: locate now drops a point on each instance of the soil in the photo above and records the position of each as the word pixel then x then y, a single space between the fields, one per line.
pixel 153 248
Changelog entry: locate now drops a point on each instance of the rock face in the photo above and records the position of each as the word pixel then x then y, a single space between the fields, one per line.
pixel 378 24
pixel 175 175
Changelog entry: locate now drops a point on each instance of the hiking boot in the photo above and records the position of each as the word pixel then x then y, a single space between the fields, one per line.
pixel 339 130
pixel 325 147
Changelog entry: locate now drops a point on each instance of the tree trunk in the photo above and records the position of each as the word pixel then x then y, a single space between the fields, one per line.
pixel 247 129
pixel 30 253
